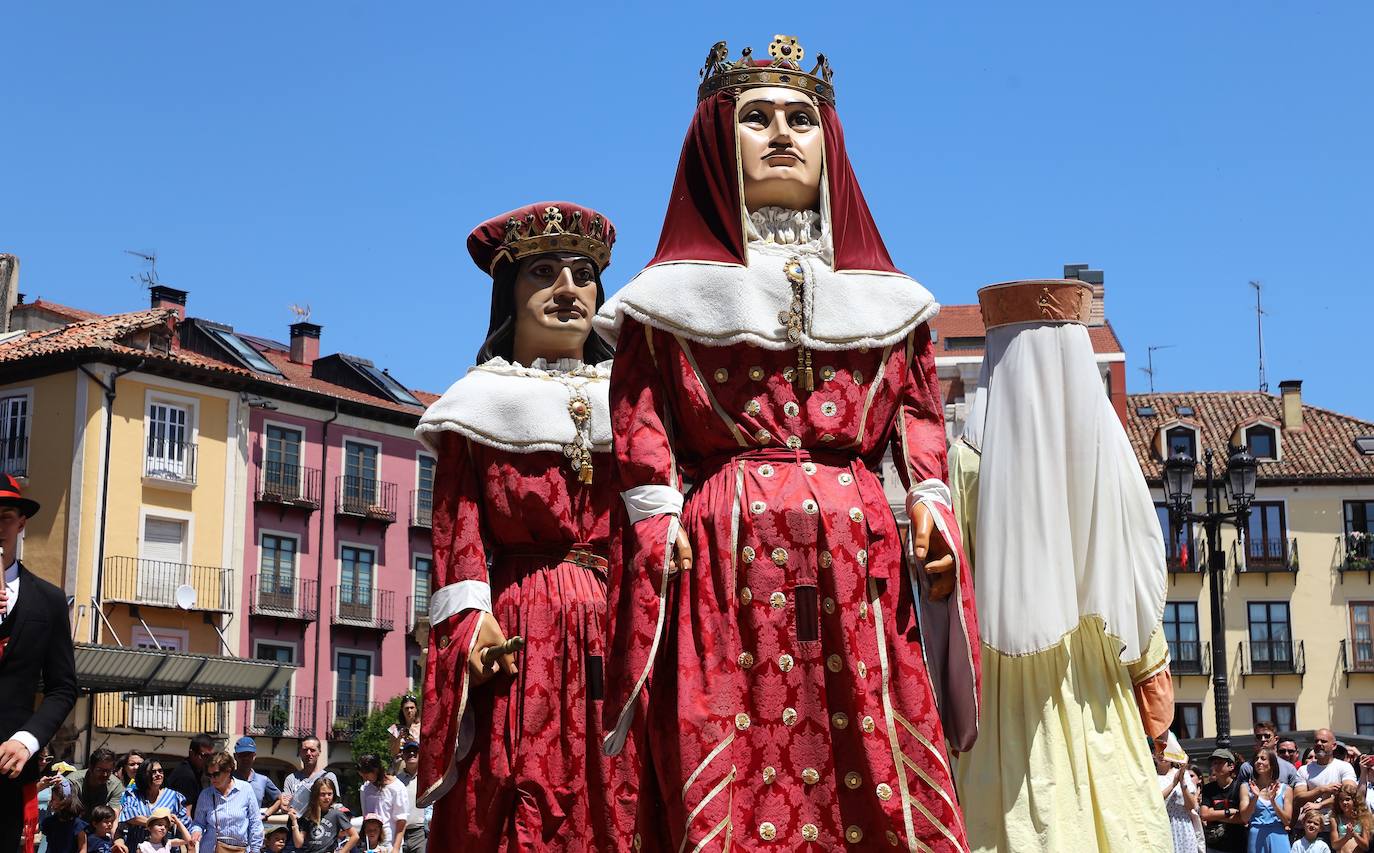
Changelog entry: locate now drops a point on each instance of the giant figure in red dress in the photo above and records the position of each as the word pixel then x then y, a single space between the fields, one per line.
pixel 524 496
pixel 802 673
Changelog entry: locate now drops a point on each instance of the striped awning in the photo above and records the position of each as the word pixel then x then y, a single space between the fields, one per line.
pixel 149 672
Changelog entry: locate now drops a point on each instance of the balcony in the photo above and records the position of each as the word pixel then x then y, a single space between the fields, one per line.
pixel 164 715
pixel 365 499
pixel 283 716
pixel 1181 557
pixel 288 486
pixel 283 598
pixel 1356 554
pixel 363 607
pixel 1269 556
pixel 1271 658
pixel 14 455
pixel 346 717
pixel 133 580
pixel 172 462
pixel 422 508
pixel 417 611
pixel 1190 657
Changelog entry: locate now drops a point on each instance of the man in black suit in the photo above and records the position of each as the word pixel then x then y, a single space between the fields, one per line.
pixel 35 647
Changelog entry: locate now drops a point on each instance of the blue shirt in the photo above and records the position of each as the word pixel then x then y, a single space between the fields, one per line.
pixel 232 818
pixel 264 789
pixel 134 805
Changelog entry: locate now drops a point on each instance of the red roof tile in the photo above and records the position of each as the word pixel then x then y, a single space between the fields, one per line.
pixel 54 308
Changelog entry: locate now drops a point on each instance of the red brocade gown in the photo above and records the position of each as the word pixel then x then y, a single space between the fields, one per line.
pixel 514 763
pixel 789 704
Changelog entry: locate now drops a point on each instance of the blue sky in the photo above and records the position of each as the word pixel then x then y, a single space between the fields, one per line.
pixel 337 154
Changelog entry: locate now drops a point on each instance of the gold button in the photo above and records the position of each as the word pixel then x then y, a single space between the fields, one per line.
pixel 863 609
pixel 834 664
pixel 767 831
pixel 839 720
pixel 742 721
pixel 769 774
pixel 789 373
pixel 867 725
pixel 752 407
pixel 790 409
pixel 810 776
pixel 829 605
pixel 793 442
pixel 863 347
pixel 858 377
pixel 747 554
pixel 746 660
pixel 789 716
pixel 827 559
pixel 892 838
pixel 722 374
pixel 777 601
pixel 638 842
pixel 809 507
pixel 853 835
pixel 765 470
pixel 762 436
pixel 746 595
pixel 846 478
pixel 863 670
pixel 827 373
pixel 780 556
pixel 810 832
pixel 443 643
pixel 809 467
pixel 828 408
pixel 863 557
pixel 852 780
pixel 757 507
pixel 856 514
pixel 756 373
pixel 785 662
pixel 884 792
pixel 827 438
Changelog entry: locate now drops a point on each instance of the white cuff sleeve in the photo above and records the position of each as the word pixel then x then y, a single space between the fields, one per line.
pixel 932 489
pixel 448 601
pixel 644 501
pixel 29 741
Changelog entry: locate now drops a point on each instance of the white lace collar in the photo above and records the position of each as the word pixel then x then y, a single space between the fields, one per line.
pixel 783 227
pixel 541 368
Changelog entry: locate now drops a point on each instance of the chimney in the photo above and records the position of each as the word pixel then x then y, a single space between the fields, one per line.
pixel 1290 390
pixel 169 297
pixel 9 290
pixel 305 343
pixel 1080 272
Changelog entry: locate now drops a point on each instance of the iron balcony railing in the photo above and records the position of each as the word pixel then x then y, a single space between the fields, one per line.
pixel 134 580
pixel 1190 657
pixel 422 508
pixel 1357 552
pixel 1181 557
pixel 365 498
pixel 168 715
pixel 363 607
pixel 283 596
pixel 417 610
pixel 283 715
pixel 1270 555
pixel 1273 657
pixel 14 455
pixel 347 716
pixel 1357 656
pixel 289 485
pixel 173 461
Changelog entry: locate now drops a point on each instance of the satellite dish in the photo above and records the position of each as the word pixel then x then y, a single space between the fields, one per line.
pixel 186 596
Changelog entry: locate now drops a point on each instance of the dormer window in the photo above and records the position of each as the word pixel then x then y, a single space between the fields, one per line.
pixel 1181 439
pixel 1262 442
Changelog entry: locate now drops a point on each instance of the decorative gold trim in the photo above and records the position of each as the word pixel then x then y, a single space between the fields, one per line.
pixel 785 70
pixel 729 739
pixel 889 713
pixel 524 238
pixel 734 527
pixel 872 392
pixel 921 739
pixel 715 404
pixel 1036 301
pixel 720 786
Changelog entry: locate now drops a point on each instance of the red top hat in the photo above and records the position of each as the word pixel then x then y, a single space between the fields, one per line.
pixel 11 495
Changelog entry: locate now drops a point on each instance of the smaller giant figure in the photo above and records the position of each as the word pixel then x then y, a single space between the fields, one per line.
pixel 510 751
pixel 1068 562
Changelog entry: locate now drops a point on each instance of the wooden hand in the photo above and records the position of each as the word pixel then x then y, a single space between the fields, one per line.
pixel 928 544
pixel 489 634
pixel 682 554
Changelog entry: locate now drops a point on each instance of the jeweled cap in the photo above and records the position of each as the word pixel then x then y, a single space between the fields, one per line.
pixel 546 226
pixel 782 68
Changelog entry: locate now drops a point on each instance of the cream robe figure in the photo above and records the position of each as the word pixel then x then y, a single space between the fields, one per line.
pixel 1069 576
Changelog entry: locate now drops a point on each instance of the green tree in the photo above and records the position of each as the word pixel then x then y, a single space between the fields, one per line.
pixel 371 737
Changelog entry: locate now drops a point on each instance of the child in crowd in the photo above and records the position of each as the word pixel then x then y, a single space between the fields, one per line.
pixel 275 839
pixel 1350 821
pixel 100 834
pixel 372 835
pixel 161 837
pixel 1311 841
pixel 63 830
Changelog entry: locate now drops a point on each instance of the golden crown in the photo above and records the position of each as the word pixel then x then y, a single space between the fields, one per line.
pixel 525 237
pixel 784 70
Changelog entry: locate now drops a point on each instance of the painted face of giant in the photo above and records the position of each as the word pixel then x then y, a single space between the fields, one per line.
pixel 781 149
pixel 555 300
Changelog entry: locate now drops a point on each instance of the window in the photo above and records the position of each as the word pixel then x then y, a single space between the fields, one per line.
pixel 417 673
pixel 277 573
pixel 360 476
pixel 1181 632
pixel 1271 638
pixel 240 350
pixel 1361 636
pixel 354 677
pixel 14 435
pixel 282 462
pixel 272 713
pixel 424 495
pixel 1359 534
pixel 155 712
pixel 1266 539
pixel 1364 718
pixel 1281 714
pixel 171 455
pixel 1178 541
pixel 1262 442
pixel 355 586
pixel 380 379
pixel 424 572
pixel 162 568
pixel 965 343
pixel 1187 720
pixel 1180 439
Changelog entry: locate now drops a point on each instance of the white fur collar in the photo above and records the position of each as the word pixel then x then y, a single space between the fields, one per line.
pixel 722 304
pixel 521 409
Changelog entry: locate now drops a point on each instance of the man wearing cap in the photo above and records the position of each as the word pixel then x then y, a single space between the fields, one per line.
pixel 417 823
pixel 35 648
pixel 265 790
pixel 1220 806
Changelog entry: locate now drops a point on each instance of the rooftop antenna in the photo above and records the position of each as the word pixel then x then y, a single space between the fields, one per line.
pixel 1259 322
pixel 1150 355
pixel 147 278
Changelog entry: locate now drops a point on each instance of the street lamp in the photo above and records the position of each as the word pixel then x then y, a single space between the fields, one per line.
pixel 1239 486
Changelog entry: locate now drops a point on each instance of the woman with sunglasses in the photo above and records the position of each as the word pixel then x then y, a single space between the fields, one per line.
pixel 146 794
